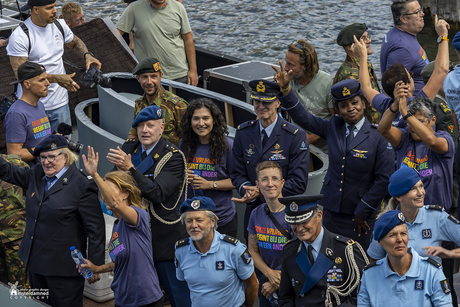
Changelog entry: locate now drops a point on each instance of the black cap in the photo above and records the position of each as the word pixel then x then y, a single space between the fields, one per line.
pixel 264 90
pixel 52 142
pixel 299 208
pixel 147 65
pixel 345 36
pixel 31 3
pixel 345 89
pixel 28 70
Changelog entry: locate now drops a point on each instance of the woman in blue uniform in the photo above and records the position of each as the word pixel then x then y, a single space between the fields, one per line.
pixel 360 159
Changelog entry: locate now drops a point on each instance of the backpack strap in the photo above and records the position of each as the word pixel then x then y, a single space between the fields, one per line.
pixel 26 31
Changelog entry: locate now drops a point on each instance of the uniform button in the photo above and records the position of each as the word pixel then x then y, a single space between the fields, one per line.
pixel 31 237
pixel 341 174
pixel 297 282
pixel 343 166
pixel 247 162
pixel 341 181
pixel 344 158
pixel 340 190
pixel 323 180
pixel 35 221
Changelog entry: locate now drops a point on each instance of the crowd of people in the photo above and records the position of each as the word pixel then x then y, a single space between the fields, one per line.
pixel 383 230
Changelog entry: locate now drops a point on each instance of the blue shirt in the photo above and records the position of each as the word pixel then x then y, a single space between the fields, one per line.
pixel 316 244
pixel 217 275
pixel 430 228
pixel 420 286
pixel 452 90
pixel 268 130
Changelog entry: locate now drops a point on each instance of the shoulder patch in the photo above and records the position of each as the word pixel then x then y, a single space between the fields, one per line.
pixel 246 256
pixel 230 239
pixel 445 286
pixel 453 219
pixel 370 265
pixel 174 99
pixel 290 127
pixel 433 262
pixel 182 242
pixel 246 124
pixel 434 207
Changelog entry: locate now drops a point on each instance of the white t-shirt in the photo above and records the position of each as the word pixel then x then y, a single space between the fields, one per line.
pixel 47 48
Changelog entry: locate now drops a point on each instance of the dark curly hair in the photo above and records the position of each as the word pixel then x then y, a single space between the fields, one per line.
pixel 217 143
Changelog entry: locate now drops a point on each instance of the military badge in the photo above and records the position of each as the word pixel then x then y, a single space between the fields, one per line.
pixel 53 146
pixel 157 66
pixel 419 285
pixel 451 128
pixel 195 204
pixel 220 265
pixel 346 91
pixel 65 180
pixel 293 207
pixel 334 274
pixel 292 282
pixel 338 260
pixel 303 146
pixel 445 286
pixel 260 87
pixel 401 217
pixel 250 152
pixel 277 146
pixel 329 252
pixel 159 113
pixel 246 256
pixel 426 233
pixel 156 156
pixel 251 145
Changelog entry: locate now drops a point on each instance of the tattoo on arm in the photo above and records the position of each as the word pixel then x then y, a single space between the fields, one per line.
pixel 78 46
pixel 253 242
pixel 15 62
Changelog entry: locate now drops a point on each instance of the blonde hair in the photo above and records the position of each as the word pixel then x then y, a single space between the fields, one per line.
pixel 125 182
pixel 71 156
pixel 392 204
pixel 69 9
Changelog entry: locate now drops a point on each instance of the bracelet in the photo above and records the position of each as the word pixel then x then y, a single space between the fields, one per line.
pixel 110 268
pixel 286 89
pixel 90 53
pixel 31 151
pixel 391 110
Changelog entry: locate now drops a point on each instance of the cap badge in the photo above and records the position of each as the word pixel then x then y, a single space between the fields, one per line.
pixel 159 113
pixel 338 260
pixel 346 91
pixel 157 66
pixel 401 217
pixel 260 87
pixel 294 207
pixel 195 204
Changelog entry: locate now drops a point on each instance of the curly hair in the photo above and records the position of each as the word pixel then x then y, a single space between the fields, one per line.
pixel 218 143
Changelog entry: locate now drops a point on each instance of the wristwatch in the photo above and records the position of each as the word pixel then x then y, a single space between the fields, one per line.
pixel 214 184
pixel 90 53
pixel 441 38
pixel 409 114
pixel 132 170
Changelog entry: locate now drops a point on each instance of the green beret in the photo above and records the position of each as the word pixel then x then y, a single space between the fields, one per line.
pixel 147 65
pixel 345 36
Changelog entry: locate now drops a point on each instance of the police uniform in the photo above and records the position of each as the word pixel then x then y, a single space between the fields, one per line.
pixel 333 278
pixel 287 145
pixel 161 195
pixel 12 226
pixel 172 105
pixel 424 284
pixel 216 277
pixel 68 214
pixel 358 175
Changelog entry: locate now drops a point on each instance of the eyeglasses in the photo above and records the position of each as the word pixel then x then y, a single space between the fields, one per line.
pixel 297 45
pixel 79 20
pixel 49 158
pixel 417 12
pixel 267 180
pixel 368 37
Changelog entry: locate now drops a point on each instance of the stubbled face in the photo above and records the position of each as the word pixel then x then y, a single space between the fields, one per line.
pixel 395 242
pixel 415 197
pixel 270 183
pixel 46 13
pixel 424 120
pixel 202 122
pixel 198 224
pixel 367 40
pixel 52 168
pixel 292 63
pixel 414 23
pixel 150 132
pixel 352 110
pixel 150 82
pixel 309 230
pixel 76 20
pixel 38 85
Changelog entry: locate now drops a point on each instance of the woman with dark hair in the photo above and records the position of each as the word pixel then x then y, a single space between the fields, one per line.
pixel 209 159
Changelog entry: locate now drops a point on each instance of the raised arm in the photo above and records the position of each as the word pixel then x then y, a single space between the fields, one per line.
pixel 390 133
pixel 359 48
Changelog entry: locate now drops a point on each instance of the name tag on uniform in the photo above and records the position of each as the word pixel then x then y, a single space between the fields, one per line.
pixel 426 233
pixel 220 265
pixel 419 285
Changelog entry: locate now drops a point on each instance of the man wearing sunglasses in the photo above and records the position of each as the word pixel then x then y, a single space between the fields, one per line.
pixel 73 14
pixel 400 44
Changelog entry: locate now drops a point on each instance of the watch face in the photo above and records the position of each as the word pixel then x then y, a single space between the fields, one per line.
pixel 214 184
pixel 439 39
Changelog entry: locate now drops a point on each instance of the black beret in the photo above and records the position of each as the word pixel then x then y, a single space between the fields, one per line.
pixel 147 65
pixel 345 36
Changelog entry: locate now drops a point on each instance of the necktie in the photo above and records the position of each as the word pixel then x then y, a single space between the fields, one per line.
pixel 310 254
pixel 264 138
pixel 351 134
pixel 49 180
pixel 144 154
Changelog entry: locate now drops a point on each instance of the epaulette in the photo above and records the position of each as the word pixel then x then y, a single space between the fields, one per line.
pixel 174 99
pixel 374 125
pixel 182 242
pixel 444 107
pixel 434 207
pixel 89 177
pixel 246 124
pixel 453 219
pixel 230 239
pixel 344 239
pixel 130 145
pixel 433 262
pixel 370 265
pixel 290 127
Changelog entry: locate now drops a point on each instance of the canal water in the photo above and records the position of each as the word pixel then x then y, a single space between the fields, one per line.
pixel 261 29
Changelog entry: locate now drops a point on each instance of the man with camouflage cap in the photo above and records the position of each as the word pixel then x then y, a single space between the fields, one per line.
pixel 350 67
pixel 12 226
pixel 148 73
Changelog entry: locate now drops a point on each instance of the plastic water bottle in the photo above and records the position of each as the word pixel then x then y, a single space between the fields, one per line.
pixel 197 193
pixel 78 258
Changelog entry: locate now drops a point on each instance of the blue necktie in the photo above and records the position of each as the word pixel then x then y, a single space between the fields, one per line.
pixel 49 181
pixel 264 138
pixel 351 134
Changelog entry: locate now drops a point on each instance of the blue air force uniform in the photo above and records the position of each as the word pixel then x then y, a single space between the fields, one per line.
pixel 358 175
pixel 424 284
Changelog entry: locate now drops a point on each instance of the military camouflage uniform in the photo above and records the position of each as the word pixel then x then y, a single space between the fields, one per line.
pixel 12 226
pixel 350 70
pixel 174 108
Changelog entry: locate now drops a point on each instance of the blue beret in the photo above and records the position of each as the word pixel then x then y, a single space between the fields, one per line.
pixel 387 222
pixel 148 113
pixel 264 90
pixel 402 181
pixel 456 41
pixel 345 89
pixel 52 142
pixel 197 204
pixel 299 208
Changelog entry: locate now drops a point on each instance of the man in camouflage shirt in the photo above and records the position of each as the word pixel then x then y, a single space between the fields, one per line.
pixel 148 73
pixel 350 67
pixel 12 226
